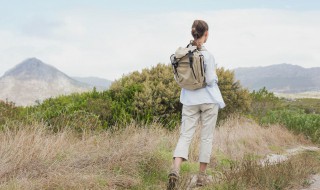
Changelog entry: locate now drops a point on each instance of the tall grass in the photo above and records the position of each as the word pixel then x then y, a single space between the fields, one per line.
pixel 134 157
pixel 249 174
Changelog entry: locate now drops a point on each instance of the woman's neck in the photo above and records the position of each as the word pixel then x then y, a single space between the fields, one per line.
pixel 198 42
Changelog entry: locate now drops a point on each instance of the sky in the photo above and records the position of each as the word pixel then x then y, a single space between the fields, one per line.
pixel 108 39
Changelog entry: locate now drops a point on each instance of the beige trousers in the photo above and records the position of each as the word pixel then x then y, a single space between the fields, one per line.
pixel 190 117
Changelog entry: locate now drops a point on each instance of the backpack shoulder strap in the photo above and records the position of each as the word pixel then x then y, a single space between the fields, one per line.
pixel 190 43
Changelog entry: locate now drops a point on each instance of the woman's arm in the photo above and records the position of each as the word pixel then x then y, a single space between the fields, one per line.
pixel 211 75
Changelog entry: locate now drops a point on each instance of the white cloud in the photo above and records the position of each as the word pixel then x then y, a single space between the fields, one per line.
pixel 106 44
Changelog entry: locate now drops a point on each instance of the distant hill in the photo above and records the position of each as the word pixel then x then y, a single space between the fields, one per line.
pixel 99 83
pixel 32 80
pixel 285 78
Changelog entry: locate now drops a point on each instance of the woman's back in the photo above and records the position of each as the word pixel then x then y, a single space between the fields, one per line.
pixel 208 94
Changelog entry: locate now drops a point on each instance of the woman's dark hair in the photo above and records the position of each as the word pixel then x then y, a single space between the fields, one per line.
pixel 199 27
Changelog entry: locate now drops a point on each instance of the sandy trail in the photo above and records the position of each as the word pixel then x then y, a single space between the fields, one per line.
pixel 273 159
pixel 276 158
pixel 315 183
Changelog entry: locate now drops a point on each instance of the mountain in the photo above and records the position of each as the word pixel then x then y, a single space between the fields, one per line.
pixel 32 80
pixel 286 78
pixel 99 83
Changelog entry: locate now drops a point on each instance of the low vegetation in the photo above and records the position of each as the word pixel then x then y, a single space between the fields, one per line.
pixel 309 105
pixel 248 174
pixel 300 115
pixel 112 139
pixel 136 157
pixel 145 97
pixel 297 121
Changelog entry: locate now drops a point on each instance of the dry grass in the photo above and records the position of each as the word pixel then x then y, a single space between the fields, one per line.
pixel 135 157
pixel 33 158
pixel 290 175
pixel 238 136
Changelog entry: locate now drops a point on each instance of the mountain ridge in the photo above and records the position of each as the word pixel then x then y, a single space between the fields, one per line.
pixel 33 80
pixel 99 83
pixel 286 78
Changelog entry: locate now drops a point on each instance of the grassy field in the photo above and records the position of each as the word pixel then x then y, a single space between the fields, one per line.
pixel 309 105
pixel 299 95
pixel 138 157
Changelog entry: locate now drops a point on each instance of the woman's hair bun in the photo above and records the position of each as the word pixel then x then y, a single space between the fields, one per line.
pixel 194 33
pixel 199 27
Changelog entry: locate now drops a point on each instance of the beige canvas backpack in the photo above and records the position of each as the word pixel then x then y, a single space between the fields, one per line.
pixel 188 67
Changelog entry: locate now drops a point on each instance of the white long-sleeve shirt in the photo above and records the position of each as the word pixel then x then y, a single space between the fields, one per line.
pixel 209 94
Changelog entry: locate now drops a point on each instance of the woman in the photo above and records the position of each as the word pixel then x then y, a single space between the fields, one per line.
pixel 201 104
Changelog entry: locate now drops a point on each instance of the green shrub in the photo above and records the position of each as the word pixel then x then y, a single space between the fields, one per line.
pixel 63 111
pixel 78 120
pixel 8 112
pixel 263 101
pixel 236 97
pixel 296 120
pixel 310 105
pixel 154 95
pixel 147 96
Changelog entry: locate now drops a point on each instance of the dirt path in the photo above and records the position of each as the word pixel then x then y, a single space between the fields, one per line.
pixel 315 183
pixel 276 158
pixel 273 159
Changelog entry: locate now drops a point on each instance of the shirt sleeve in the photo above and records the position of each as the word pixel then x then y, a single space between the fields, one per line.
pixel 211 75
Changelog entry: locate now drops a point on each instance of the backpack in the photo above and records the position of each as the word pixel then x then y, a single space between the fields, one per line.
pixel 188 67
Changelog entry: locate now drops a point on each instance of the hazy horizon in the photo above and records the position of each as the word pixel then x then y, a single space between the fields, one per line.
pixel 107 39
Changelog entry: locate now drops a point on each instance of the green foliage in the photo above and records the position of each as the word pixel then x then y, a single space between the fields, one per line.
pixel 78 120
pixel 297 115
pixel 8 112
pixel 262 101
pixel 153 95
pixel 237 99
pixel 296 120
pixel 309 105
pixel 86 111
pixel 145 97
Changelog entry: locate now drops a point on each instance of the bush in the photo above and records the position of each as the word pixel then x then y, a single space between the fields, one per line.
pixel 71 111
pixel 262 102
pixel 78 120
pixel 296 120
pixel 144 97
pixel 236 97
pixel 8 112
pixel 310 105
pixel 154 95
pixel 151 95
